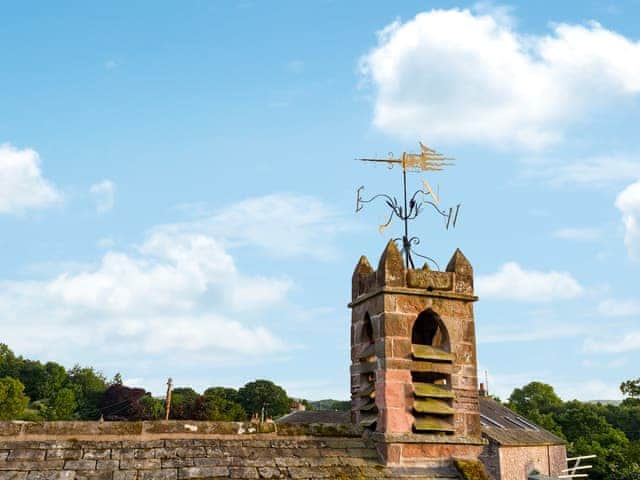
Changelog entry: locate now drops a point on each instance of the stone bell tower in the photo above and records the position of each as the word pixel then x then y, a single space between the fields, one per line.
pixel 413 359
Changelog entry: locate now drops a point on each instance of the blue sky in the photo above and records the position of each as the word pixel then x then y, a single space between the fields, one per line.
pixel 177 184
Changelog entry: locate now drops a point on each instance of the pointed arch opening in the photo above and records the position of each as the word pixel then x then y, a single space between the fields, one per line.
pixel 429 329
pixel 363 402
pixel 366 332
pixel 431 375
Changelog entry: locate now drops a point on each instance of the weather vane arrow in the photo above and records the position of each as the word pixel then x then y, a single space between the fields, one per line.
pixel 428 160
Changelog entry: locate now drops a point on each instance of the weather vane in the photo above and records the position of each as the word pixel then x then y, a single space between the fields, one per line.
pixel 428 160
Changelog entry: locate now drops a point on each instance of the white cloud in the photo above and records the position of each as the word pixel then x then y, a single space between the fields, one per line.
pixel 283 225
pixel 104 194
pixel 511 282
pixel 533 333
pixel 588 390
pixel 596 172
pixel 453 75
pixel 628 342
pixel 503 384
pixel 178 295
pixel 22 185
pixel 619 308
pixel 581 234
pixel 628 202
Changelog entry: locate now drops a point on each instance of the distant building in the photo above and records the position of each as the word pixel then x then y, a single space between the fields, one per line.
pixel 518 446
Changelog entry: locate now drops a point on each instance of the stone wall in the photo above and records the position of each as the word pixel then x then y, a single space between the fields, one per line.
pixel 517 462
pixel 177 450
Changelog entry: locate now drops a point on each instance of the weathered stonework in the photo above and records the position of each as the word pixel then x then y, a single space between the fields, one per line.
pixel 177 450
pixel 413 359
pixel 517 461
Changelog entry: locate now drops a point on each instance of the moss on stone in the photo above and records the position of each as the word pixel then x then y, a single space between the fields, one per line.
pixel 471 469
pixel 357 475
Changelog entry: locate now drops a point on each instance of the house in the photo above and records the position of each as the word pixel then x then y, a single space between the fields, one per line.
pixel 516 446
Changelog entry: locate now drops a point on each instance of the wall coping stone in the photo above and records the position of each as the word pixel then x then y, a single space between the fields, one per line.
pixel 149 430
pixel 425 438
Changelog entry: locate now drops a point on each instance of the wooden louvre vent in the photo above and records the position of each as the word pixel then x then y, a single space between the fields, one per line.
pixel 431 372
pixel 366 394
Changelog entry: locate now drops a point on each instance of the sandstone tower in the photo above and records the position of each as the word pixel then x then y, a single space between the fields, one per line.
pixel 413 359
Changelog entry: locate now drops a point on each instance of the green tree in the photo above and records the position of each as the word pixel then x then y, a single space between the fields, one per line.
pixel 582 420
pixel 625 417
pixel 33 377
pixel 9 363
pixel 217 408
pixel 536 396
pixel 230 394
pixel 116 380
pixel 13 401
pixel 183 403
pixel 255 395
pixel 88 387
pixel 62 405
pixel 151 408
pixel 631 388
pixel 55 377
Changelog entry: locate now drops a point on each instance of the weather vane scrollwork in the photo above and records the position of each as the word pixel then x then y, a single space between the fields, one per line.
pixel 428 160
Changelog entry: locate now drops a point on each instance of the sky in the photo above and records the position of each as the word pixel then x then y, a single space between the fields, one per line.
pixel 178 184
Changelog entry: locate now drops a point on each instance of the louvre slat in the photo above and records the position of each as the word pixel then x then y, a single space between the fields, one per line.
pixel 432 405
pixel 427 352
pixel 431 390
pixel 433 424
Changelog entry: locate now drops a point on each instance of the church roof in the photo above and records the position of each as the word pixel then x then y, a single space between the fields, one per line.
pixel 507 428
pixel 317 416
pixel 499 424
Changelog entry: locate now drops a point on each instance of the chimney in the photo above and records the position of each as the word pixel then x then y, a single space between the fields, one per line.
pixel 482 391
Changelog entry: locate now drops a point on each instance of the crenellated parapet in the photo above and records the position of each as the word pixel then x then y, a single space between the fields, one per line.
pixel 456 279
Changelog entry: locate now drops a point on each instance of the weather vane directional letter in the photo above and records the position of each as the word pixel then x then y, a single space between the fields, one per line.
pixel 428 160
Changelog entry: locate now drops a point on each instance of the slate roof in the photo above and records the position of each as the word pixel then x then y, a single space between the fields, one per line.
pixel 507 428
pixel 319 416
pixel 499 424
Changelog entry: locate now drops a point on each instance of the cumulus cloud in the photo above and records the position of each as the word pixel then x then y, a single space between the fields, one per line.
pixel 104 195
pixel 281 224
pixel 177 294
pixel 628 202
pixel 22 185
pixel 534 332
pixel 625 343
pixel 512 282
pixel 455 75
pixel 619 308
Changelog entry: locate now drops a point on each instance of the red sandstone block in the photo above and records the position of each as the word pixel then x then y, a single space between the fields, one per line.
pixel 397 324
pixel 395 395
pixel 402 347
pixel 392 453
pixel 390 376
pixel 397 420
pixel 436 450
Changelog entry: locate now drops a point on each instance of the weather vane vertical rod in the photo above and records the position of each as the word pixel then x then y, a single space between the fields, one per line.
pixel 427 160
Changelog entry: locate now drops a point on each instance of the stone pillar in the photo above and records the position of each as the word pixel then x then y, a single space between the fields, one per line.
pixel 413 359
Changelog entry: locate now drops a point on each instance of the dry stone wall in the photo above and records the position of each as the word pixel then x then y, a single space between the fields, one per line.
pixel 192 450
